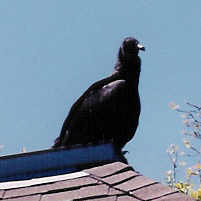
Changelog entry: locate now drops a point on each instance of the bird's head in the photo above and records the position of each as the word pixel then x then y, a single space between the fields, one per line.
pixel 131 46
pixel 128 59
pixel 128 54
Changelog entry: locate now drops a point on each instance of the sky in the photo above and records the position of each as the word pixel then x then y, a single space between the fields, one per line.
pixel 52 51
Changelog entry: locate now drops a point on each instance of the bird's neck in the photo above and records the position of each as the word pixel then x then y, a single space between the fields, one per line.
pixel 128 71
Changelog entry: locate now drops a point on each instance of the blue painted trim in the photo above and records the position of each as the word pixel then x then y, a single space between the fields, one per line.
pixel 53 162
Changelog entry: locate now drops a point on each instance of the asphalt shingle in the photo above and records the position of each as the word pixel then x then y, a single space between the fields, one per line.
pixel 175 197
pixel 107 198
pixel 111 182
pixel 73 183
pixel 108 170
pixel 135 183
pixel 2 193
pixel 153 191
pixel 61 196
pixel 121 177
pixel 26 198
pixel 32 190
pixel 126 198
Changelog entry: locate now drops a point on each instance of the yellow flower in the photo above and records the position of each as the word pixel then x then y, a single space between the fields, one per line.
pixel 189 171
pixel 199 193
pixel 187 144
pixel 173 106
pixel 194 194
pixel 187 122
pixel 198 166
pixel 182 163
pixel 179 185
pixel 183 187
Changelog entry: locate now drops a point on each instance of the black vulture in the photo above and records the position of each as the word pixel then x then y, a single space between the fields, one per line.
pixel 109 109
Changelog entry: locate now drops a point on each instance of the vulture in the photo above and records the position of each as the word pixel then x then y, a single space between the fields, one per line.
pixel 109 110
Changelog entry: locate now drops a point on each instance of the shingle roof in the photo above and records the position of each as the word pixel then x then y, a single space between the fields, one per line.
pixel 111 182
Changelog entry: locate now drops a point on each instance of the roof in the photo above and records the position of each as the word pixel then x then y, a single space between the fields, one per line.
pixel 111 182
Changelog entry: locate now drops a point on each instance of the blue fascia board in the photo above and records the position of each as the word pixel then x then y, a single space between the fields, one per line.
pixel 53 161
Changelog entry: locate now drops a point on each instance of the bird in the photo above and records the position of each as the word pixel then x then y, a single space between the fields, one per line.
pixel 109 109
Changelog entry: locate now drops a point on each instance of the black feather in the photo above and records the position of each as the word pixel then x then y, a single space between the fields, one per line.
pixel 109 109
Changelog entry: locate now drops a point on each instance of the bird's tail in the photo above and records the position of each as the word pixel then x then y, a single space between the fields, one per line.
pixel 57 143
pixel 61 141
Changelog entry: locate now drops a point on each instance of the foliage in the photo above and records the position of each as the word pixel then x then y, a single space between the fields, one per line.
pixel 190 164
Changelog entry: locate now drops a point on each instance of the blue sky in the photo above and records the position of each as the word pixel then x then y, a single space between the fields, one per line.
pixel 51 51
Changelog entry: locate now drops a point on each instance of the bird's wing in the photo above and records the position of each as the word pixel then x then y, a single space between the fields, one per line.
pixel 102 98
pixel 113 90
pixel 98 88
pixel 103 86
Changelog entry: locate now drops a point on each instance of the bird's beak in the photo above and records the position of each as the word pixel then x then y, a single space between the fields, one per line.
pixel 141 47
